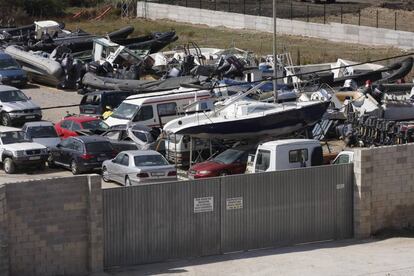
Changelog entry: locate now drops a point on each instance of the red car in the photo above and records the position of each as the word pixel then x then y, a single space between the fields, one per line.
pixel 71 126
pixel 230 161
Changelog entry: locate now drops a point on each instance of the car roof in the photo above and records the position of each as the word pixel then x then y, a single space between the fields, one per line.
pixel 4 88
pixel 141 152
pixel 3 55
pixel 81 119
pixel 90 138
pixel 38 123
pixel 290 141
pixel 8 129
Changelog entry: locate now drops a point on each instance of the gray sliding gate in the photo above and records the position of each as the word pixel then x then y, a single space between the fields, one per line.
pixel 151 223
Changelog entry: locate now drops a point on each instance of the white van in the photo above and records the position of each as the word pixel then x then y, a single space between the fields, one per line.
pixel 287 154
pixel 157 109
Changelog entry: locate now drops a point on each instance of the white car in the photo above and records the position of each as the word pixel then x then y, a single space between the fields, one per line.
pixel 138 167
pixel 16 151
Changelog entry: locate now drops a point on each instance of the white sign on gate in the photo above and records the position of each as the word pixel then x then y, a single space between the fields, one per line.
pixel 234 203
pixel 203 204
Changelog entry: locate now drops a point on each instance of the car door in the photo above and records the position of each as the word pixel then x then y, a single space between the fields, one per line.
pixel 124 168
pixel 59 154
pixel 114 168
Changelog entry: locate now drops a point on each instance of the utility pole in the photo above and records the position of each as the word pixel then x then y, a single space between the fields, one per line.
pixel 274 53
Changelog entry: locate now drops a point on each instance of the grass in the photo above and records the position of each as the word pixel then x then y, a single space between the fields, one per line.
pixel 304 50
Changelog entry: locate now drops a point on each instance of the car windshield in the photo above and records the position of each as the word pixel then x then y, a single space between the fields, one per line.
pixel 125 111
pixel 12 137
pixel 42 132
pixel 150 160
pixel 229 156
pixel 99 147
pixel 95 124
pixel 12 96
pixel 8 64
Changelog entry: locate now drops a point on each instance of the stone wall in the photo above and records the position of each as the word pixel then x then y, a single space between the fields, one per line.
pixel 55 226
pixel 332 31
pixel 384 189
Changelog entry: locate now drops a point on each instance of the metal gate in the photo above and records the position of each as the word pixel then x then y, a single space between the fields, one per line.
pixel 151 223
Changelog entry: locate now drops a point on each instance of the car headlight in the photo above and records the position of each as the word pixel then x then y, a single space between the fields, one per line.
pixel 18 153
pixel 204 172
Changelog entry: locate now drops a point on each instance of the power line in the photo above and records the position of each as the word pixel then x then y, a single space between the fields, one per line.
pixel 253 82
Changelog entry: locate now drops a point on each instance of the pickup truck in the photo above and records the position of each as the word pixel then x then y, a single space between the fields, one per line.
pixel 16 151
pixel 293 153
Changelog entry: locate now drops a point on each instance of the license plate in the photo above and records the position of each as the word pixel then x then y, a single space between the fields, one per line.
pixel 34 158
pixel 89 111
pixel 30 117
pixel 157 174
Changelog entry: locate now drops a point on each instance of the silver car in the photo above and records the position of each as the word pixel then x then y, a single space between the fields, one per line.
pixel 138 167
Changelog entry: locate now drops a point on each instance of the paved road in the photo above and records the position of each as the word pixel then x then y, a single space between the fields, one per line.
pixel 390 257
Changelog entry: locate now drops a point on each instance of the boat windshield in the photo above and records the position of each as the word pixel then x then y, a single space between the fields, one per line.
pixel 12 96
pixel 229 156
pixel 125 111
pixel 8 64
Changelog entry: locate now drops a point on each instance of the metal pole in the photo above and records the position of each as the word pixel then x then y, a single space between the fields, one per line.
pixel 229 6
pixel 244 6
pixel 395 20
pixel 274 52
pixel 359 17
pixel 307 13
pixel 291 10
pixel 377 18
pixel 260 7
pixel 342 14
pixel 200 4
pixel 324 13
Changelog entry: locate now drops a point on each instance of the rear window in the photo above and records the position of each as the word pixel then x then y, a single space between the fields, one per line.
pixel 150 160
pixel 42 132
pixel 99 147
pixel 297 156
pixel 91 99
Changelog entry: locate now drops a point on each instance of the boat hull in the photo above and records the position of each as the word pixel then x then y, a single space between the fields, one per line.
pixel 277 124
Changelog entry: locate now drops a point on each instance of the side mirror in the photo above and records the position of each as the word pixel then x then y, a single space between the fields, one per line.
pixel 113 160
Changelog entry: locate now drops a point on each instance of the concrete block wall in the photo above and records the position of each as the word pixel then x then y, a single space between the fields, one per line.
pixel 333 31
pixel 52 228
pixel 384 189
pixel 4 254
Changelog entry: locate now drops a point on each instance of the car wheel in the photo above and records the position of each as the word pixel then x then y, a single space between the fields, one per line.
pixel 41 166
pixel 127 181
pixel 224 173
pixel 9 166
pixel 74 167
pixel 105 174
pixel 5 119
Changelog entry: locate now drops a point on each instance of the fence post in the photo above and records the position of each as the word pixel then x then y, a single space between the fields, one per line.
pixel 395 20
pixel 377 18
pixel 260 7
pixel 291 10
pixel 307 13
pixel 341 15
pixel 324 13
pixel 359 17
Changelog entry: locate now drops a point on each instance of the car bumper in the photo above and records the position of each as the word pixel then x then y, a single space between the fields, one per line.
pixel 30 160
pixel 141 181
pixel 15 82
pixel 21 118
pixel 86 166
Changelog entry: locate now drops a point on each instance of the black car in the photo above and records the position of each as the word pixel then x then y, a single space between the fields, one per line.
pixel 97 103
pixel 82 153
